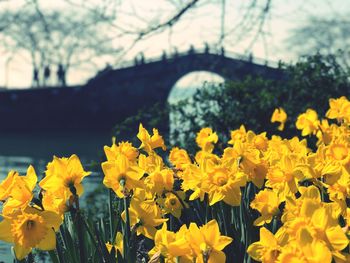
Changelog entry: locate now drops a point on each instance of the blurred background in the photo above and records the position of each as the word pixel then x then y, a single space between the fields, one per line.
pixel 69 43
pixel 74 73
pixel 85 36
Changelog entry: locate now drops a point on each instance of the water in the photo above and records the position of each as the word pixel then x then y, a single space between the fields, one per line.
pixel 18 151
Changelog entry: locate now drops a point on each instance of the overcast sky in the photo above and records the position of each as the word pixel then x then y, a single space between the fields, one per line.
pixel 202 25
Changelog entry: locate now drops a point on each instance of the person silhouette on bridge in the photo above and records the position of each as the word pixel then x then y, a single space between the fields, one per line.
pixel 142 58
pixel 61 75
pixel 47 74
pixel 164 55
pixel 222 51
pixel 35 77
pixel 176 53
pixel 206 48
pixel 191 50
pixel 250 57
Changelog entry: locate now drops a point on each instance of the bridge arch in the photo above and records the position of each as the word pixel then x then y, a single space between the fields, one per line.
pixel 184 88
pixel 187 84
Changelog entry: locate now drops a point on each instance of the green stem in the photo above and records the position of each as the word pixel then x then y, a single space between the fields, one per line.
pixel 79 223
pixel 99 245
pixel 224 217
pixel 197 210
pixel 127 228
pixel 63 242
pixel 207 209
pixel 54 257
pixel 132 242
pixel 81 239
pixel 205 257
pixel 171 222
pixel 111 216
pixel 214 214
pixel 241 224
pixel 274 225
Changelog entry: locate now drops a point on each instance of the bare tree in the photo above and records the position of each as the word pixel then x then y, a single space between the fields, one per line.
pixel 55 38
pixel 251 25
pixel 87 33
pixel 324 35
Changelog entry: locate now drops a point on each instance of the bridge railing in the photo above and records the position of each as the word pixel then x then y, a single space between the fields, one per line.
pixel 141 59
pixel 252 58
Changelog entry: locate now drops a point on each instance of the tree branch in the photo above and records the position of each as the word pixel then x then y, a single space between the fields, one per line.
pixel 169 23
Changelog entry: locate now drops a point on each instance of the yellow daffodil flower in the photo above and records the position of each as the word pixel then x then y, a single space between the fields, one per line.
pixel 55 201
pixel 224 184
pixel 124 148
pixel 160 181
pixel 144 216
pixel 206 139
pixel 339 151
pixel 266 202
pixel 247 159
pixel 339 109
pixel 7 184
pixel 148 142
pixel 17 190
pixel 279 115
pixel 340 190
pixel 121 175
pixel 259 141
pixel 179 158
pixel 282 177
pixel 265 250
pixel 30 228
pixel 64 174
pixel 171 246
pixel 119 244
pixel 238 135
pixel 316 222
pixel 173 203
pixel 325 132
pixel 150 163
pixel 207 242
pixel 308 122
pixel 193 178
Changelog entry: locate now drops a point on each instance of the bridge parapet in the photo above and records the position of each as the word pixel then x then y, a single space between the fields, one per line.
pixel 140 59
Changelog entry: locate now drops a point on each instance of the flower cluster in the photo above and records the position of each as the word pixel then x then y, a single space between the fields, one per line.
pixel 206 207
pixel 201 243
pixel 313 187
pixel 300 194
pixel 153 186
pixel 32 216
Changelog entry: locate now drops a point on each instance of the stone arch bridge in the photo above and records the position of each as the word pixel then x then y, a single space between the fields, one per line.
pixel 115 94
